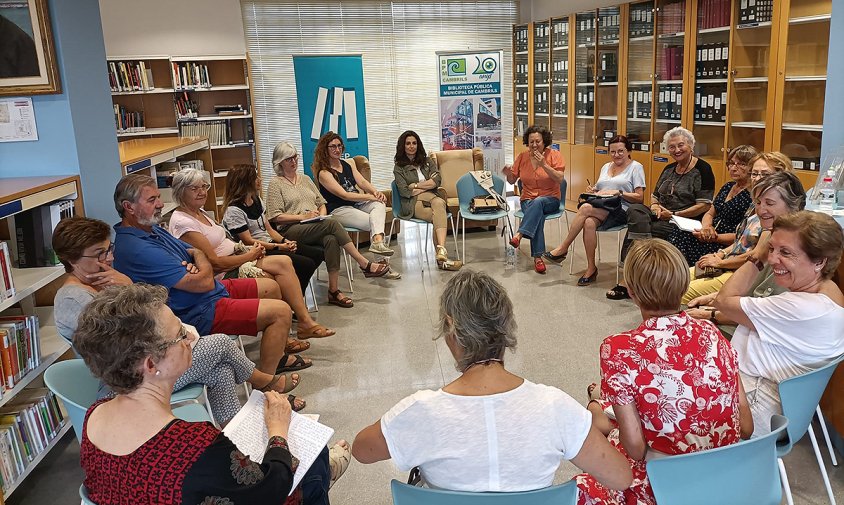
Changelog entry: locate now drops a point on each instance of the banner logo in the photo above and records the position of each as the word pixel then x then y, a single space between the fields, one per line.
pixel 344 105
pixel 456 66
pixel 487 66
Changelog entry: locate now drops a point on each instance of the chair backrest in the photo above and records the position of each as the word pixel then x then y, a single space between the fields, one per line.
pixel 404 494
pixel 452 164
pixel 396 199
pixel 799 396
pixel 745 472
pixel 468 187
pixel 83 493
pixel 71 381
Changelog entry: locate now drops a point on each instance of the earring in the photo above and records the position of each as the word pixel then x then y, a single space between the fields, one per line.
pixel 817 269
pixel 158 372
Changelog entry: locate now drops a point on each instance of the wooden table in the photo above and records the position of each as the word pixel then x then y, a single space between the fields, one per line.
pixel 21 193
pixel 138 154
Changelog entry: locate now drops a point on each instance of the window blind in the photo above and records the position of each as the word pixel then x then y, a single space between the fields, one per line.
pixel 398 40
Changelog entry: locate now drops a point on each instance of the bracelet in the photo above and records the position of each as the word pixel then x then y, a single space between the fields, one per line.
pixel 712 316
pixel 758 264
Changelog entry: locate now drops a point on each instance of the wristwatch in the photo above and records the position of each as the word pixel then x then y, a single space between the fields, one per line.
pixel 758 264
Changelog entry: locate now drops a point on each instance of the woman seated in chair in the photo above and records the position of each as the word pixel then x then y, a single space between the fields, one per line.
pixel 133 448
pixel 529 427
pixel 541 170
pixel 794 332
pixel 364 208
pixel 622 182
pixel 728 210
pixel 293 198
pixel 190 223
pixel 84 247
pixel 668 387
pixel 418 182
pixel 243 217
pixel 775 195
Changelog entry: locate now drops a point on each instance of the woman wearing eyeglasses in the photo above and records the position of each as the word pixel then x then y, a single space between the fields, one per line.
pixel 685 189
pixel 349 197
pixel 728 210
pixel 84 247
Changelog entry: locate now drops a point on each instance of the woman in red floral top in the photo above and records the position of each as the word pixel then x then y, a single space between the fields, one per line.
pixel 669 386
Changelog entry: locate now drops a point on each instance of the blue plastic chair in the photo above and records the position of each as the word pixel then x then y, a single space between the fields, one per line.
pixel 83 493
pixel 557 215
pixel 405 494
pixel 396 205
pixel 800 396
pixel 745 472
pixel 71 381
pixel 467 188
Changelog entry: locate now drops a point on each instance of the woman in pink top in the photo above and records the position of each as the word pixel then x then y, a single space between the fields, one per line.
pixel 541 170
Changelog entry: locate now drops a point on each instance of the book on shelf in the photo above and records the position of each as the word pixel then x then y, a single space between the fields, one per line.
pixel 671 67
pixel 230 110
pixel 7 281
pixel 129 76
pixel 33 233
pixel 641 20
pixel 189 75
pixel 711 102
pixel 713 14
pixel 20 347
pixel 128 121
pixel 755 11
pixel 639 102
pixel 670 101
pixel 712 61
pixel 186 108
pixel 672 18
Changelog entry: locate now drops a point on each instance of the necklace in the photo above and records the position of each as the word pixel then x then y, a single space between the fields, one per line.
pixel 483 362
pixel 293 180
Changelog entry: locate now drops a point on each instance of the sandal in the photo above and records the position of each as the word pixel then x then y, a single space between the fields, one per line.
pixel 619 292
pixel 339 457
pixel 296 346
pixel 290 383
pixel 555 258
pixel 450 265
pixel 339 299
pixel 442 254
pixel 585 281
pixel 298 364
pixel 315 331
pixel 380 270
pixel 293 399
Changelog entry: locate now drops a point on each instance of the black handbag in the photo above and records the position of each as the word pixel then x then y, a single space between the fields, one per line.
pixel 609 203
pixel 483 204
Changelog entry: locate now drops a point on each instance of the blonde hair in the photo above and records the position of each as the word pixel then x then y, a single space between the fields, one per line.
pixel 774 159
pixel 657 274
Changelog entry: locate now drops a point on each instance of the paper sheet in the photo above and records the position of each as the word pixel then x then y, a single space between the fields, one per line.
pixel 17 120
pixel 306 437
pixel 314 219
pixel 686 224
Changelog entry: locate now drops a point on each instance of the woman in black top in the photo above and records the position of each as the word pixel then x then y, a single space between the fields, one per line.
pixel 685 188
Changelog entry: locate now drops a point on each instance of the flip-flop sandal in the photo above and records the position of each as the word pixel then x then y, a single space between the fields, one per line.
pixel 292 399
pixel 619 292
pixel 296 346
pixel 334 299
pixel 290 382
pixel 380 270
pixel 315 331
pixel 298 364
pixel 339 458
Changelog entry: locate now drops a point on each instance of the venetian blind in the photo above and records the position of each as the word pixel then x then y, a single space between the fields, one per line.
pixel 398 40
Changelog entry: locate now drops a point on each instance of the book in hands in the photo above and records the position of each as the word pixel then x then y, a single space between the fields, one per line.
pixel 686 224
pixel 314 219
pixel 306 437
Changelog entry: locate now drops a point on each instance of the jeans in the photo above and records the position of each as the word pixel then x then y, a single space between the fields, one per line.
pixel 315 482
pixel 533 224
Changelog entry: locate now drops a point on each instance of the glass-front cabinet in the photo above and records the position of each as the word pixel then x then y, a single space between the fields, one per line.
pixel 541 73
pixel 670 46
pixel 560 79
pixel 607 65
pixel 584 82
pixel 521 84
pixel 639 103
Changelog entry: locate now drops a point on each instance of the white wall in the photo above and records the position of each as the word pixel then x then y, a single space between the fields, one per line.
pixel 536 10
pixel 172 27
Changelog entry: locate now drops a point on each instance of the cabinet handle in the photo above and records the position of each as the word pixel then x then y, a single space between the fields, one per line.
pixel 723 150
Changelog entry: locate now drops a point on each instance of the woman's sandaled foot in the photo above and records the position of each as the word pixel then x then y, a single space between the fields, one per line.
pixel 555 258
pixel 282 383
pixel 339 299
pixel 450 265
pixel 296 346
pixel 296 403
pixel 619 292
pixel 292 363
pixel 586 280
pixel 375 269
pixel 590 392
pixel 380 248
pixel 539 265
pixel 442 253
pixel 315 331
pixel 339 457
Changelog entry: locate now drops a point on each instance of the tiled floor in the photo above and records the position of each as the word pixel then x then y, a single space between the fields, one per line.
pixel 384 351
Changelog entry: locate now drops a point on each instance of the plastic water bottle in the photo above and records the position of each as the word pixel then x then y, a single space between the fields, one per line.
pixel 510 260
pixel 826 193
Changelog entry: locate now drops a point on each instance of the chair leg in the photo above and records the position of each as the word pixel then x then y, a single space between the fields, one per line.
pixel 208 405
pixel 459 218
pixel 348 261
pixel 821 465
pixel 454 235
pixel 784 479
pixel 313 295
pixel 598 244
pixel 826 437
pixel 390 234
pixel 618 262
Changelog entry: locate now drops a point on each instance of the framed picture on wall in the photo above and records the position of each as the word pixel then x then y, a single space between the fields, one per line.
pixel 27 55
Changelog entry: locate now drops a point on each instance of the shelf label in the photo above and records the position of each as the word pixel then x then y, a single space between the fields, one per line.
pixel 661 159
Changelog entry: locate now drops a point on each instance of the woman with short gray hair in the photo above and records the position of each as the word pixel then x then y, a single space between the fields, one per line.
pixel 488 430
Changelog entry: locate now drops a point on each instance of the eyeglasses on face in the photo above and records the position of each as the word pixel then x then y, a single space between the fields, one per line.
pixel 335 147
pixel 759 174
pixel 200 187
pixel 732 163
pixel 183 334
pixel 294 158
pixel 103 256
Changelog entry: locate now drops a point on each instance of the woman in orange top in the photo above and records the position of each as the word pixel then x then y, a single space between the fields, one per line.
pixel 541 170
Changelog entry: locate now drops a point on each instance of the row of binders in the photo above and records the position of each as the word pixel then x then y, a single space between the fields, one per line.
pixel 560 71
pixel 641 20
pixel 670 101
pixel 672 18
pixel 560 103
pixel 520 40
pixel 20 348
pixel 585 103
pixel 540 104
pixel 521 101
pixel 712 61
pixel 7 281
pixel 713 14
pixel 585 27
pixel 189 75
pixel 639 103
pixel 561 33
pixel 755 11
pixel 608 62
pixel 27 426
pixel 609 27
pixel 711 102
pixel 540 36
pixel 127 121
pixel 520 73
pixel 540 74
pixel 129 76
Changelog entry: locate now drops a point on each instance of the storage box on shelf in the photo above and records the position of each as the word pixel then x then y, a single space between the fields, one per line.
pixel 560 81
pixel 522 83
pixel 28 349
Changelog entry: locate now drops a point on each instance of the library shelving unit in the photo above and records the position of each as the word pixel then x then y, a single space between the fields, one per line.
pixel 522 74
pixel 639 82
pixel 19 194
pixel 541 73
pixel 560 82
pixel 583 73
pixel 609 58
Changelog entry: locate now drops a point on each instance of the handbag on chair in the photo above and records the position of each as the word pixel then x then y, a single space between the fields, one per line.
pixel 609 203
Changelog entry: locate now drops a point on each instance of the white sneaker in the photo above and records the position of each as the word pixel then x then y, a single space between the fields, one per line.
pixel 392 274
pixel 380 248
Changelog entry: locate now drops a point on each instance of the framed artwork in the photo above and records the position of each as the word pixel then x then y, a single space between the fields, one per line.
pixel 27 54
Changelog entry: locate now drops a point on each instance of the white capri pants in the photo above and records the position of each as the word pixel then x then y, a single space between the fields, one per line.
pixel 369 216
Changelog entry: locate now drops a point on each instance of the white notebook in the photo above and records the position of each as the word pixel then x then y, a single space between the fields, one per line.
pixel 306 437
pixel 686 224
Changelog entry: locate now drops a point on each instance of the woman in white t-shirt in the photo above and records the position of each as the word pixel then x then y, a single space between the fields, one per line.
pixel 489 430
pixel 791 333
pixel 622 182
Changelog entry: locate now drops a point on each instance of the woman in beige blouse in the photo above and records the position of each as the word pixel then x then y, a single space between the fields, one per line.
pixel 292 201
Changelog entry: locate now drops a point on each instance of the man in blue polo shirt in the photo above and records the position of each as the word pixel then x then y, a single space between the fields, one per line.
pixel 146 252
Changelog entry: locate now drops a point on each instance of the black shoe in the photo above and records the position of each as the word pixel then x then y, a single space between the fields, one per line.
pixel 554 258
pixel 585 281
pixel 619 292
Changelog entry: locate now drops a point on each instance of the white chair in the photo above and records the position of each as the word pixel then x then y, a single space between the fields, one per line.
pixel 619 230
